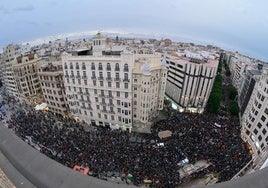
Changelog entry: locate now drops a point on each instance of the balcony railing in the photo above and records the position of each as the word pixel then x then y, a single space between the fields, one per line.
pixel 93 77
pixel 109 79
pixel 78 76
pixel 125 69
pixel 101 78
pixel 117 79
pixel 83 67
pixel 84 77
pixel 125 80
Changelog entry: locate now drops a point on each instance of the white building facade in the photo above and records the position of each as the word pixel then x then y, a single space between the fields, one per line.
pixel 100 85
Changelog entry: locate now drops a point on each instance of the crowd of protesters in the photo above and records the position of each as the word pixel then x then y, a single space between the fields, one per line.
pixel 108 152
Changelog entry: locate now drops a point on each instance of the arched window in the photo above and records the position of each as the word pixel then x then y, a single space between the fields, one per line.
pixel 125 67
pixel 108 66
pixel 93 66
pixel 76 65
pixel 100 66
pixel 117 67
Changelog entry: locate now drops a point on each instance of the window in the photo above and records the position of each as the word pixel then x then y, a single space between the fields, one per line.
pixel 125 67
pixel 135 80
pixel 117 67
pixel 96 99
pixel 263 131
pixel 126 85
pixel 101 83
pixel 118 93
pixel 99 115
pixel 126 94
pixel 110 93
pixel 95 91
pixel 263 118
pixel 266 111
pixel 94 82
pixel 98 107
pixel 259 137
pixel 118 102
pixel 92 66
pixel 109 75
pixel 259 125
pixel 109 84
pixel 112 117
pixel 117 85
pixel 100 66
pixel 255 131
pixel 108 66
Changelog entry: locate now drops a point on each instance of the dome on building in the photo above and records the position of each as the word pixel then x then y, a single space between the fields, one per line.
pixel 145 67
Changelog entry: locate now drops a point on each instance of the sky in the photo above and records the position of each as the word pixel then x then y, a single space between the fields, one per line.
pixel 237 25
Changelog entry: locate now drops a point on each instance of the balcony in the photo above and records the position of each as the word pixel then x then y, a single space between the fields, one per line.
pixel 110 104
pixel 72 76
pixel 103 103
pixel 78 76
pixel 66 76
pixel 83 67
pixel 89 108
pixel 126 70
pixel 101 95
pixel 100 68
pixel 93 77
pixel 109 79
pixel 92 67
pixel 76 67
pixel 101 78
pixel 84 77
pixel 109 96
pixel 104 111
pixel 117 79
pixel 108 68
pixel 125 80
pixel 117 69
pixel 111 112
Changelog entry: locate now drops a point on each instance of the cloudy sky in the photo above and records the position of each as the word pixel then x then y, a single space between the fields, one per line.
pixel 239 25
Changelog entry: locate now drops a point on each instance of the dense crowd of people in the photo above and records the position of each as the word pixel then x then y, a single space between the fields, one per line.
pixel 108 152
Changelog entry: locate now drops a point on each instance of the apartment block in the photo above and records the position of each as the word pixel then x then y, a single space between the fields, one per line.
pixel 9 55
pixel 190 80
pixel 50 73
pixel 255 118
pixel 26 78
pixel 113 87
